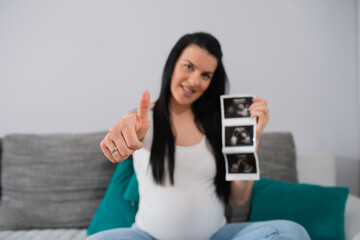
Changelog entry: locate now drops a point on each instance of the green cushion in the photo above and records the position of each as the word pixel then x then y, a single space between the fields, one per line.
pixel 116 211
pixel 320 210
pixel 132 191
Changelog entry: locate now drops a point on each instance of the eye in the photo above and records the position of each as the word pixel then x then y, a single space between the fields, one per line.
pixel 188 66
pixel 206 76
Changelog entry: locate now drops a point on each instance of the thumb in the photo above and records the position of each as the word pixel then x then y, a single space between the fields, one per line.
pixel 144 105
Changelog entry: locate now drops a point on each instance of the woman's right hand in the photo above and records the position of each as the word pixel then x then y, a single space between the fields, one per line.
pixel 126 136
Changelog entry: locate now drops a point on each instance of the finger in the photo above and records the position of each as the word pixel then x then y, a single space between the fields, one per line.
pixel 257 100
pixel 259 114
pixel 259 108
pixel 131 139
pixel 123 151
pixel 125 137
pixel 262 103
pixel 105 149
pixel 259 103
pixel 116 139
pixel 115 154
pixel 144 105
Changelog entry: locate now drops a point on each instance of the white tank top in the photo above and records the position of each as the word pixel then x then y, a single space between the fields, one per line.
pixel 189 209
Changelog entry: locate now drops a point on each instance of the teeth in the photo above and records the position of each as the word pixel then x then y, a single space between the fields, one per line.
pixel 187 90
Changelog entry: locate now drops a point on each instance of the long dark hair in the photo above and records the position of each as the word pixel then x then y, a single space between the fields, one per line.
pixel 206 110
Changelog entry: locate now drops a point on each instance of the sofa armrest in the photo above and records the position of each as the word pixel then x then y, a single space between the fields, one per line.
pixel 352 218
pixel 316 168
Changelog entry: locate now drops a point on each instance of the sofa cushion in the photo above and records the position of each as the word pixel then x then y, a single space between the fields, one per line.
pixel 277 160
pixel 52 181
pixel 277 156
pixel 116 210
pixel 320 210
pixel 132 190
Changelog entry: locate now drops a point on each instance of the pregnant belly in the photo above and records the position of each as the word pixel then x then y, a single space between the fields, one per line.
pixel 181 221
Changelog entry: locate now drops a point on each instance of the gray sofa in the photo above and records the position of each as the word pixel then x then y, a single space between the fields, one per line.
pixel 52 184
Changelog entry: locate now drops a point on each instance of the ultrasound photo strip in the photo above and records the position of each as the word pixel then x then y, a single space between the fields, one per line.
pixel 239 137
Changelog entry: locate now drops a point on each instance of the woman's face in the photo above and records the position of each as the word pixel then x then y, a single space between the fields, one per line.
pixel 192 75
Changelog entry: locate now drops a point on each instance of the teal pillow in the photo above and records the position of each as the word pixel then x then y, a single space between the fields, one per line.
pixel 320 210
pixel 116 211
pixel 132 191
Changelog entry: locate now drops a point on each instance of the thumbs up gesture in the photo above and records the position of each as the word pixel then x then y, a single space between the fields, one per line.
pixel 126 136
pixel 143 122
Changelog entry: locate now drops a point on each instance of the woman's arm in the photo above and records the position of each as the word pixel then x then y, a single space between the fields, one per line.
pixel 241 190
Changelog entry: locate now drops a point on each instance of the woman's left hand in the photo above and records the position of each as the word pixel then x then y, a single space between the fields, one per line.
pixel 259 109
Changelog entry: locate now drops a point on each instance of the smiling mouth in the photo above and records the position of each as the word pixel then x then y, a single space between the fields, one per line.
pixel 187 90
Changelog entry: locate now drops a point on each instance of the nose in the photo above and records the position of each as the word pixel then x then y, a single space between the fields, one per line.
pixel 194 80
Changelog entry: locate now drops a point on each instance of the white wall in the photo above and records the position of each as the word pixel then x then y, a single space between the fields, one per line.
pixel 77 66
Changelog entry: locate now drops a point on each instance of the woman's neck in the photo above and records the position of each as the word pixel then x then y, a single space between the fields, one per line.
pixel 178 110
pixel 185 130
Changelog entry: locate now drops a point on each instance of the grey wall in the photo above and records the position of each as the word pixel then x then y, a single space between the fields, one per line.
pixel 78 66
